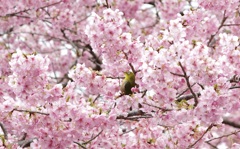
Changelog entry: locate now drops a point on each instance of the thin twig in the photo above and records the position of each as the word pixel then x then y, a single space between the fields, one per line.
pixel 189 85
pixel 135 115
pixel 202 87
pixel 50 4
pixel 232 24
pixel 136 118
pixel 79 144
pixel 208 129
pixel 187 97
pixel 125 132
pixel 31 112
pixel 86 142
pixel 93 138
pixel 25 143
pixel 26 10
pixel 213 146
pixel 107 4
pixel 97 61
pixel 162 109
pixel 144 93
pixel 221 25
pixel 184 91
pixel 131 66
pixel 4 131
pixel 96 98
pixel 176 74
pixel 15 13
pixel 223 136
pixel 233 87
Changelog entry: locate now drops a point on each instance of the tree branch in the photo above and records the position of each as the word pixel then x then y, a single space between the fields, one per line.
pixel 131 66
pixel 93 138
pixel 187 97
pixel 208 129
pixel 184 91
pixel 97 61
pixel 223 136
pixel 30 112
pixel 135 115
pixel 213 146
pixel 189 85
pixel 221 25
pixel 4 131
pixel 233 87
pixel 232 24
pixel 82 145
pixel 124 131
pixel 230 123
pixel 235 79
pixel 26 10
pixel 162 109
pixel 176 74
pixel 25 143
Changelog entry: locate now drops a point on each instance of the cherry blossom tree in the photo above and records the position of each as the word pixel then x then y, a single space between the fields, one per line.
pixel 62 63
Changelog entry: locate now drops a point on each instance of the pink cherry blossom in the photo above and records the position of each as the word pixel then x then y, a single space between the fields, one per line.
pixel 62 65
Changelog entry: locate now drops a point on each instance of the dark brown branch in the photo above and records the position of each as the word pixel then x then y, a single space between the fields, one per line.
pixel 131 66
pixel 223 136
pixel 107 5
pixel 151 3
pixel 187 97
pixel 23 137
pixel 86 142
pixel 44 35
pixel 7 31
pixel 230 123
pixel 221 25
pixel 136 118
pixel 4 131
pixel 208 129
pixel 213 146
pixel 26 10
pixel 184 91
pixel 189 85
pixel 109 77
pixel 50 5
pixel 202 87
pixel 97 61
pixel 30 112
pixel 133 70
pixel 124 131
pixel 93 138
pixel 176 74
pixel 235 79
pixel 233 87
pixel 25 143
pixel 135 115
pixel 21 16
pixel 15 13
pixel 144 93
pixel 157 16
pixel 162 109
pixel 181 97
pixel 96 98
pixel 232 24
pixel 79 144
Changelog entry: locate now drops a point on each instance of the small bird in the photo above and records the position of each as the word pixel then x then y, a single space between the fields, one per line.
pixel 128 83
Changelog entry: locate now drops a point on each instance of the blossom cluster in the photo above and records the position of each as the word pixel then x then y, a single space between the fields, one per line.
pixel 62 66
